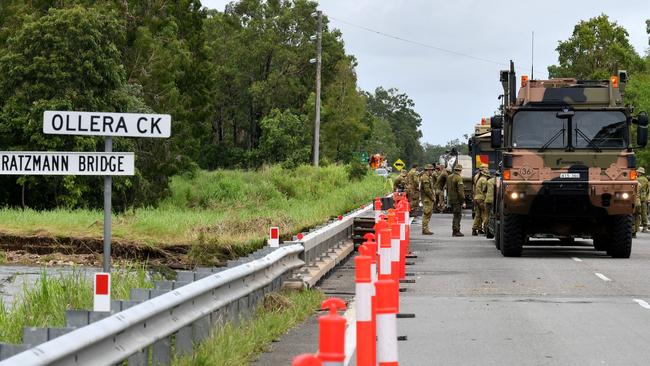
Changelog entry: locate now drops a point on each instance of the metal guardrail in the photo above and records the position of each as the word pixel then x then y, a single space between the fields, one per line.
pixel 177 314
pixel 127 333
pixel 323 239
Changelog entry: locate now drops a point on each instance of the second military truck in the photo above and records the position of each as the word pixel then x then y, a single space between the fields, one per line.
pixel 567 165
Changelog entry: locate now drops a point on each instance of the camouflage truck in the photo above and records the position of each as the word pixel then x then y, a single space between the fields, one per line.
pixel 480 148
pixel 567 166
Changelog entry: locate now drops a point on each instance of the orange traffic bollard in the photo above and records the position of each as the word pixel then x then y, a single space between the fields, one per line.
pixel 306 360
pixel 395 256
pixel 387 303
pixel 377 208
pixel 385 254
pixel 363 297
pixel 331 342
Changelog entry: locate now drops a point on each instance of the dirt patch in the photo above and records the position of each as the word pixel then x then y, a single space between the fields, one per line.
pixel 49 250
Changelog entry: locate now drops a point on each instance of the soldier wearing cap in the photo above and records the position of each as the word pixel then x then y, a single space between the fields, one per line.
pixel 480 189
pixel 455 197
pixel 412 188
pixel 641 206
pixel 489 199
pixel 428 197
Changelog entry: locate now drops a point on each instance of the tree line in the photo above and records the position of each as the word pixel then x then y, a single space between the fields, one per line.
pixel 238 84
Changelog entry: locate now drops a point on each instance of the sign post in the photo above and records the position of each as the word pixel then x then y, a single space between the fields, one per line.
pixel 108 125
pixel 108 210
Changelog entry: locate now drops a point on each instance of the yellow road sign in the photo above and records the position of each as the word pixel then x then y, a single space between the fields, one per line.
pixel 399 164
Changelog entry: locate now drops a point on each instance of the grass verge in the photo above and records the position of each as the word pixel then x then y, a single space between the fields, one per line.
pixel 44 304
pixel 3 257
pixel 228 211
pixel 235 346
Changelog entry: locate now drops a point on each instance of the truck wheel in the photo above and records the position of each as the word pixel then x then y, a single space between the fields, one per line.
pixel 488 233
pixel 620 237
pixel 512 235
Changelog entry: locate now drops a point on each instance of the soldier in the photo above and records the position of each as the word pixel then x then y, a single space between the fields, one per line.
pixel 428 198
pixel 455 197
pixel 641 209
pixel 480 188
pixel 441 182
pixel 412 188
pixel 434 178
pixel 400 182
pixel 489 200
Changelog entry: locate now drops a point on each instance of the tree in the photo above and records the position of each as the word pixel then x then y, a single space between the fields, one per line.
pixel 597 49
pixel 398 109
pixel 285 139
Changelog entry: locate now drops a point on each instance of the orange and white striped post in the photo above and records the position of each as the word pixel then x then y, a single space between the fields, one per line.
pixel 306 360
pixel 377 208
pixel 331 341
pixel 366 355
pixel 395 251
pixel 403 240
pixel 387 304
pixel 385 254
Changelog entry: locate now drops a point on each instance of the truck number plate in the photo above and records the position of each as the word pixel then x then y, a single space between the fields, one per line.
pixel 569 175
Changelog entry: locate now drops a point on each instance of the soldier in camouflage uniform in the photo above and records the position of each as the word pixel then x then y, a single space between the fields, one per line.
pixel 489 200
pixel 413 188
pixel 455 197
pixel 441 182
pixel 480 215
pixel 399 184
pixel 641 207
pixel 428 198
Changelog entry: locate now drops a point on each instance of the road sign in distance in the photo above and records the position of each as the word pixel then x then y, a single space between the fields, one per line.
pixel 66 163
pixel 399 164
pixel 107 124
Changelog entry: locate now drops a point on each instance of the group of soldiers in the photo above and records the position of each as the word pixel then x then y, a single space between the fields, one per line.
pixel 431 186
pixel 483 199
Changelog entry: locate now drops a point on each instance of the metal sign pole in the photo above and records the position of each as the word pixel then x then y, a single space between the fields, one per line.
pixel 108 185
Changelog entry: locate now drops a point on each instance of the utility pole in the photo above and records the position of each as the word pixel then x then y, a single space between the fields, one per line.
pixel 319 36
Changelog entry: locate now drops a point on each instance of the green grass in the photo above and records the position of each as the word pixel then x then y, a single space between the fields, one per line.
pixel 45 303
pixel 233 208
pixel 3 257
pixel 235 346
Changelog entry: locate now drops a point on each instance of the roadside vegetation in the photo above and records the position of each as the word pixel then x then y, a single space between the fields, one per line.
pixel 234 346
pixel 216 212
pixel 44 304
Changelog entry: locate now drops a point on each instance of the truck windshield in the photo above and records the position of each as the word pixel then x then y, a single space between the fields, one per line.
pixel 591 129
pixel 534 129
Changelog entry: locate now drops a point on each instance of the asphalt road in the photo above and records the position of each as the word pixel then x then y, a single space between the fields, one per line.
pixel 553 306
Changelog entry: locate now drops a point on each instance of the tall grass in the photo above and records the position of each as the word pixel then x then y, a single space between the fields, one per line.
pixel 235 346
pixel 222 207
pixel 44 304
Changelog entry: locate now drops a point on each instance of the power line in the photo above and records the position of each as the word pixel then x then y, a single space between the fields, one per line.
pixel 418 43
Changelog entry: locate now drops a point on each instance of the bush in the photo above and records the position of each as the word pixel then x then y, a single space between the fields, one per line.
pixel 357 170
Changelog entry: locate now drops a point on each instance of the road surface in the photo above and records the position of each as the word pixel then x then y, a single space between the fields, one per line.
pixel 553 306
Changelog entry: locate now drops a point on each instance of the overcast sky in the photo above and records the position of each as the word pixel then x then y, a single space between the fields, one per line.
pixel 453 92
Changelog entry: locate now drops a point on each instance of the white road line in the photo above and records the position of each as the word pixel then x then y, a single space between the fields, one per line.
pixel 350 332
pixel 602 277
pixel 642 303
pixel 576 259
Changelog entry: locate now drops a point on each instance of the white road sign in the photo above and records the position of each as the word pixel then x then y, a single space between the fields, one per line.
pixel 107 124
pixel 66 163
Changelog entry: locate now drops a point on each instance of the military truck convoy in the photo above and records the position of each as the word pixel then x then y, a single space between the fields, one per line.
pixel 567 165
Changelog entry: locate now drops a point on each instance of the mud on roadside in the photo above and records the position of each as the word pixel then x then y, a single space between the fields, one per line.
pixel 46 250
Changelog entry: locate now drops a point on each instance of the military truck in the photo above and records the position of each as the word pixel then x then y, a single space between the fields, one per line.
pixel 567 167
pixel 480 148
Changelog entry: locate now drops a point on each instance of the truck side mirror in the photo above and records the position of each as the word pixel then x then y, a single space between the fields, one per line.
pixel 495 138
pixel 496 122
pixel 642 129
